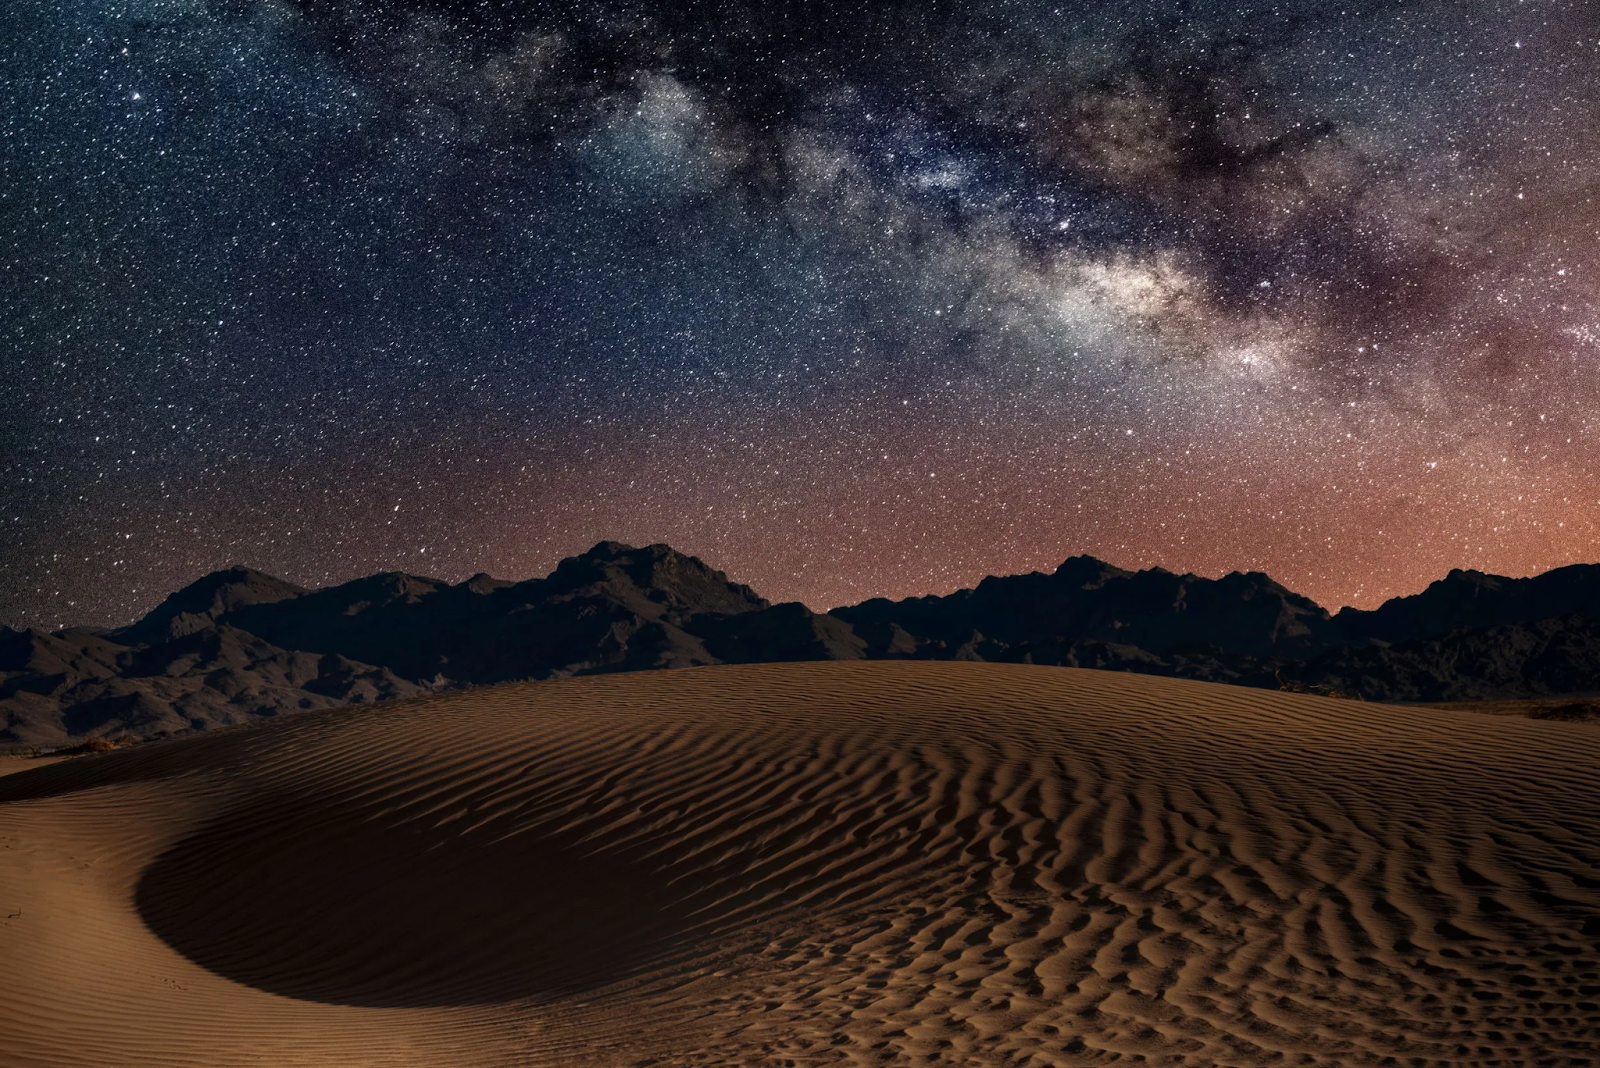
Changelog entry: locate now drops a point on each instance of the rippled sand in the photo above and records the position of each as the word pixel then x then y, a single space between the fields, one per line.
pixel 835 863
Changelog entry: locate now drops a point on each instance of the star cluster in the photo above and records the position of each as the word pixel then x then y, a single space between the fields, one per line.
pixel 850 300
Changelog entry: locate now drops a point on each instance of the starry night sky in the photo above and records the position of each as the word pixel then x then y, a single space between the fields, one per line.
pixel 847 299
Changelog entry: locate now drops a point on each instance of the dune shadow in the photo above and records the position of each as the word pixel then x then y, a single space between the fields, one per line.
pixel 338 905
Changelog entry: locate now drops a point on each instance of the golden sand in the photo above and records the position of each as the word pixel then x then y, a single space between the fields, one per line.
pixel 833 863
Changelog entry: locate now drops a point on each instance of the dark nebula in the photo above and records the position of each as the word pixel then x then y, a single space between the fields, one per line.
pixel 847 299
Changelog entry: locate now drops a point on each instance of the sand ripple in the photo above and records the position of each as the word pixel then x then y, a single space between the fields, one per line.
pixel 882 863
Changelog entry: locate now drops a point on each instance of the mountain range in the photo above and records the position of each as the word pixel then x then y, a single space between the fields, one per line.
pixel 239 645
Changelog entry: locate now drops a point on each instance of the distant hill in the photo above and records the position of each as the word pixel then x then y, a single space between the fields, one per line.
pixel 238 644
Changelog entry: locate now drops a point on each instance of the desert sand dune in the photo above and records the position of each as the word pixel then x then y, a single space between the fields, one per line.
pixel 833 863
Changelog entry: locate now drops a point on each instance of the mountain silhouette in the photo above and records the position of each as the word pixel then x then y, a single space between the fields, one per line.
pixel 1088 601
pixel 239 645
pixel 1464 600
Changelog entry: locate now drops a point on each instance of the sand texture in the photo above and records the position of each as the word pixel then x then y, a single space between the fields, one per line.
pixel 831 863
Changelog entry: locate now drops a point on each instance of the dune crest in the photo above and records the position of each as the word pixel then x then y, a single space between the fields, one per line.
pixel 827 863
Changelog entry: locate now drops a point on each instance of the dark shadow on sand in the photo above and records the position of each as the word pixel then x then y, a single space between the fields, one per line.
pixel 339 904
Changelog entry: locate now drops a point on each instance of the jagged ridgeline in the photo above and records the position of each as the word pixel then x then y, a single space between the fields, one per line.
pixel 239 645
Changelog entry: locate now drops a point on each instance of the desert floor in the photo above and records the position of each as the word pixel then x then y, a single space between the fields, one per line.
pixel 835 863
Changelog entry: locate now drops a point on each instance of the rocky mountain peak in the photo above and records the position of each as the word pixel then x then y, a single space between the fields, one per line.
pixel 205 600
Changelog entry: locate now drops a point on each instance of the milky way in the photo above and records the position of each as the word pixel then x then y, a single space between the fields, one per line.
pixel 848 300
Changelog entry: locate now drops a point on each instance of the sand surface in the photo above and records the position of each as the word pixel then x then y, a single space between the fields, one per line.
pixel 836 863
